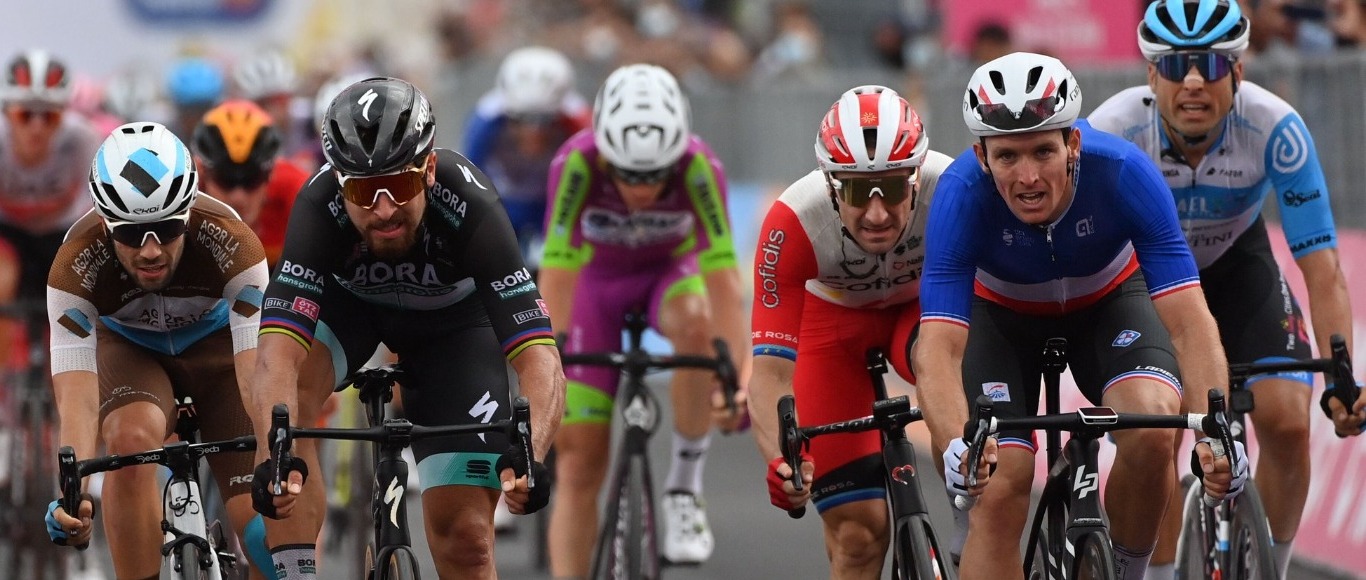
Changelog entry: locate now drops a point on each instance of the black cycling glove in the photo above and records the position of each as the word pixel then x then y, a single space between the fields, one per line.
pixel 540 495
pixel 261 480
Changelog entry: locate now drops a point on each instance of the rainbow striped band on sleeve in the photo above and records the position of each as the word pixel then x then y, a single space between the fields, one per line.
pixel 288 328
pixel 515 345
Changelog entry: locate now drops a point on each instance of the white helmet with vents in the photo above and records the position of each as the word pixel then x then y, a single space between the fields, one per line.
pixel 143 173
pixel 641 120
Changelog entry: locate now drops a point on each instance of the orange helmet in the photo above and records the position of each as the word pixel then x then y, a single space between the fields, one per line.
pixel 236 143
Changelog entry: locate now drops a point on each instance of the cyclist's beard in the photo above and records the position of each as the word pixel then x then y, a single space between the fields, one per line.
pixel 391 248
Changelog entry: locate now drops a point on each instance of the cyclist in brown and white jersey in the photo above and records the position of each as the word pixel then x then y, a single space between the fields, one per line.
pixel 154 295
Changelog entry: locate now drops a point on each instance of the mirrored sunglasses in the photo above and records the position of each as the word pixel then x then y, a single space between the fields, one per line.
pixel 859 191
pixel 1212 67
pixel 22 116
pixel 135 235
pixel 401 186
pixel 1033 114
pixel 652 177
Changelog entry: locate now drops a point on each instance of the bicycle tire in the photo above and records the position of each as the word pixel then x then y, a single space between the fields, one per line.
pixel 917 554
pixel 627 548
pixel 1250 555
pixel 1046 551
pixel 1095 558
pixel 399 564
pixel 183 564
pixel 1192 549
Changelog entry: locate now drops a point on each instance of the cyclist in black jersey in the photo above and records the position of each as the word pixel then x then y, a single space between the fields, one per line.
pixel 395 241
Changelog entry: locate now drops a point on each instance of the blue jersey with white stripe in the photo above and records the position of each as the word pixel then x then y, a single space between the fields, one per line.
pixel 1263 147
pixel 1121 219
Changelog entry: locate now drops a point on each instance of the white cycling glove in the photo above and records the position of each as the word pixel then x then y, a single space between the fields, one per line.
pixel 954 482
pixel 1238 461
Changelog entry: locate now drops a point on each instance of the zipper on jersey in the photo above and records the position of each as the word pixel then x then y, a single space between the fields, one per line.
pixel 1048 236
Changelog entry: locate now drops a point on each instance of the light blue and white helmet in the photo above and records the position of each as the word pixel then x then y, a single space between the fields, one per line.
pixel 143 173
pixel 1171 26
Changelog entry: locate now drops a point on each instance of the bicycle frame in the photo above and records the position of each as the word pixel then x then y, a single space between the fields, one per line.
pixel 639 410
pixel 390 437
pixel 183 519
pixel 906 505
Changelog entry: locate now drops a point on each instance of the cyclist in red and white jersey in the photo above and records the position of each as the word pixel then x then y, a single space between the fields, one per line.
pixel 44 154
pixel 836 272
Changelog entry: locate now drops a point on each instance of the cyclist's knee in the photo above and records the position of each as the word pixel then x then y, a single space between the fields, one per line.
pixel 687 324
pixel 134 428
pixel 857 533
pixel 1145 447
pixel 462 538
pixel 581 457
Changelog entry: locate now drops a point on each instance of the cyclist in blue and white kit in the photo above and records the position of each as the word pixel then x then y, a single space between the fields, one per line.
pixel 516 129
pixel 1063 231
pixel 1223 144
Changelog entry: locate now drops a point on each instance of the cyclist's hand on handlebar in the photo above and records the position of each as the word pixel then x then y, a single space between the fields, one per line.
pixel 520 499
pixel 1347 424
pixel 1222 479
pixel 956 467
pixel 65 530
pixel 277 507
pixel 723 418
pixel 781 493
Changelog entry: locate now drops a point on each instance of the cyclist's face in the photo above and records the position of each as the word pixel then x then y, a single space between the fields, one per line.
pixel 152 264
pixel 32 127
pixel 388 228
pixel 1193 106
pixel 875 219
pixel 1032 171
pixel 246 201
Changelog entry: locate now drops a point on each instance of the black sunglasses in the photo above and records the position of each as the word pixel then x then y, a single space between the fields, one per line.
pixel 135 235
pixel 651 177
pixel 1212 66
pixel 1033 114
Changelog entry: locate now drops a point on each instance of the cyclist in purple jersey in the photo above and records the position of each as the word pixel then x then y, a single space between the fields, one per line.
pixel 637 220
pixel 1062 231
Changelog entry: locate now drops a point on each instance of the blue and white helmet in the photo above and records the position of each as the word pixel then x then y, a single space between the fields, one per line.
pixel 1193 25
pixel 143 173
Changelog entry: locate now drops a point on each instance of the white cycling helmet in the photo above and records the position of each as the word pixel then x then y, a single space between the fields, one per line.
pixel 876 117
pixel 268 73
pixel 534 80
pixel 1021 92
pixel 143 173
pixel 641 120
pixel 34 76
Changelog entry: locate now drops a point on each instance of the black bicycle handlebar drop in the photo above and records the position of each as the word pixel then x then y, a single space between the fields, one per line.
pixel 976 431
pixel 792 443
pixel 69 478
pixel 519 434
pixel 638 362
pixel 281 443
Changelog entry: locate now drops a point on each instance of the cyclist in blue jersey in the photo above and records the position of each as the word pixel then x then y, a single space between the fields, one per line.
pixel 1223 143
pixel 1061 230
pixel 516 129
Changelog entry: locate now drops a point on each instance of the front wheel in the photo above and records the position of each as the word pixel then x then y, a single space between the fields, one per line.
pixel 397 564
pixel 1250 556
pixel 1195 547
pixel 184 564
pixel 1047 551
pixel 917 554
pixel 1095 557
pixel 627 548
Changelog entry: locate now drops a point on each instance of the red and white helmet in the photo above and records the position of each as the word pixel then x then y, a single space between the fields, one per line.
pixel 871 128
pixel 35 77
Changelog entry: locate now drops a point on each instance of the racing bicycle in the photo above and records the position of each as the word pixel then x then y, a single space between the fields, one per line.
pixel 390 555
pixel 194 549
pixel 917 553
pixel 1069 537
pixel 1232 541
pixel 628 541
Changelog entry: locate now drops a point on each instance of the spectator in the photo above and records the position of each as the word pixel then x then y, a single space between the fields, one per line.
pixel 796 48
pixel 990 42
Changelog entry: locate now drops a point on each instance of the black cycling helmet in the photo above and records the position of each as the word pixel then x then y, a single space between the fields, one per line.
pixel 376 126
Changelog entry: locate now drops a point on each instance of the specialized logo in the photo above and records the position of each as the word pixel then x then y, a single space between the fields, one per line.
pixel 144 171
pixel 366 100
pixel 1289 148
pixel 484 410
pixel 393 495
pixel 1085 483
pixel 1126 338
pixel 999 392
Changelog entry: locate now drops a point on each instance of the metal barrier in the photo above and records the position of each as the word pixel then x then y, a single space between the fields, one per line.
pixel 764 134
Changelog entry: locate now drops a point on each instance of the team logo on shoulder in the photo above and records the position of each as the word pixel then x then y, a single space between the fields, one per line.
pixel 305 307
pixel 1126 338
pixel 999 392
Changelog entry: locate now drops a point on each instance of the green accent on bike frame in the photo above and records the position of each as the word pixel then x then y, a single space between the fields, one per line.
pixel 570 195
pixel 691 284
pixel 459 468
pixel 710 206
pixel 585 404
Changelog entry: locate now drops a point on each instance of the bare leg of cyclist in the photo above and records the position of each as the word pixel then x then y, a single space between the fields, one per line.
pixel 856 538
pixel 132 495
pixel 581 458
pixel 685 319
pixel 1142 473
pixel 997 521
pixel 295 538
pixel 1163 563
pixel 1281 421
pixel 459 524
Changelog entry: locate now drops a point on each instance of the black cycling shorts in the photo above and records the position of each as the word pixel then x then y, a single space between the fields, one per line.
pixel 456 375
pixel 1258 317
pixel 1118 338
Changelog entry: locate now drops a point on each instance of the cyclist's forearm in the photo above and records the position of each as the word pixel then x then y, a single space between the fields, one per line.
pixel 1329 305
pixel 542 380
pixel 274 380
pixel 937 361
pixel 1199 352
pixel 771 380
pixel 77 395
pixel 730 317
